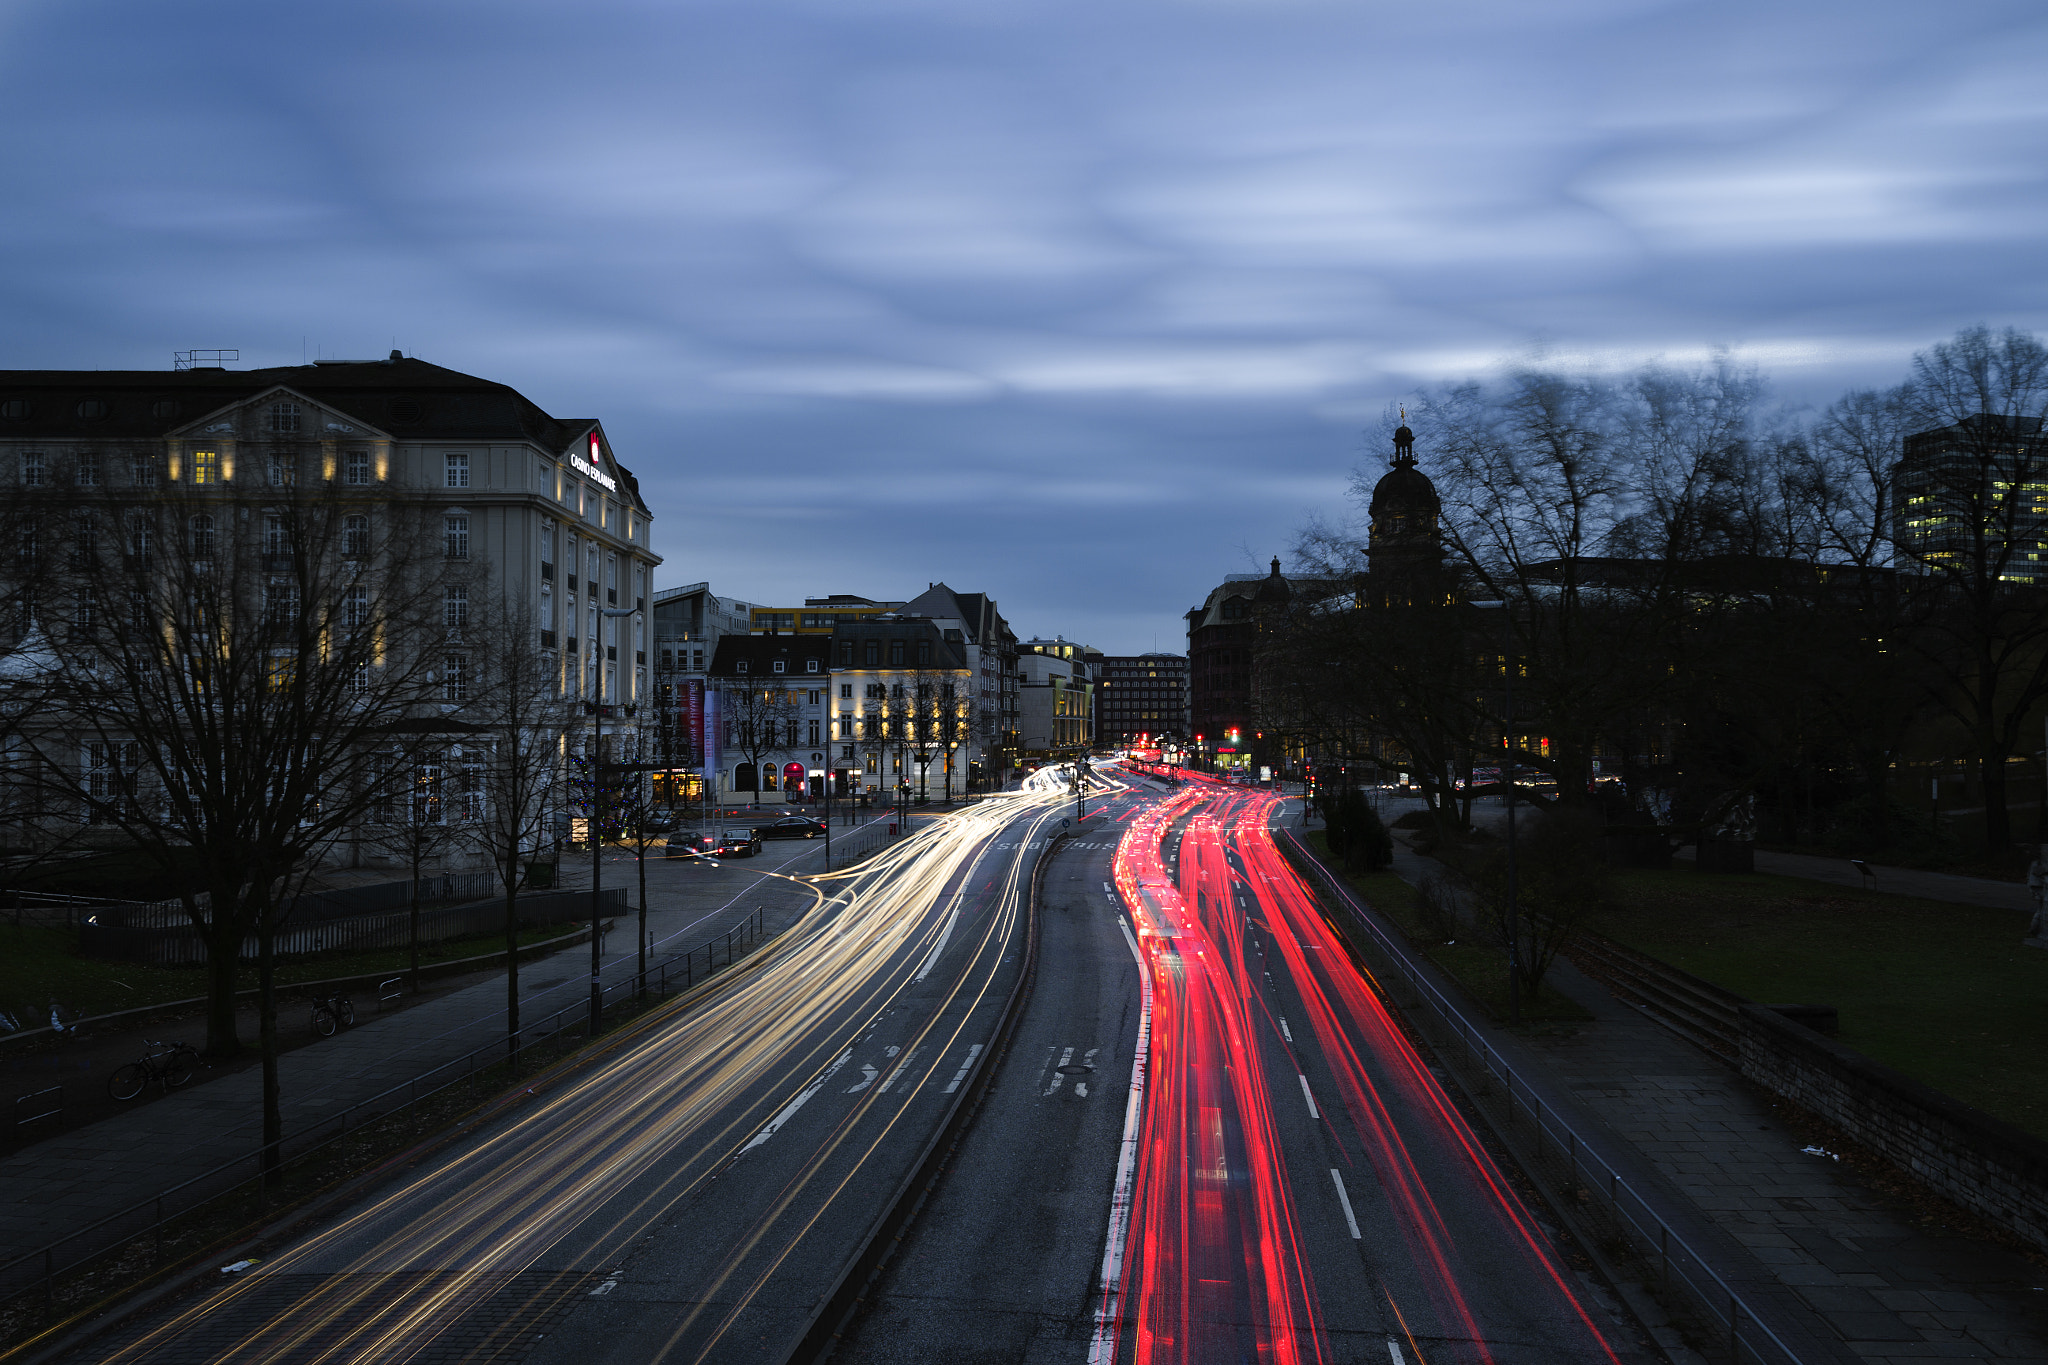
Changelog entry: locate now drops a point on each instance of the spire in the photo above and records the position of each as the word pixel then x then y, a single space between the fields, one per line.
pixel 1404 442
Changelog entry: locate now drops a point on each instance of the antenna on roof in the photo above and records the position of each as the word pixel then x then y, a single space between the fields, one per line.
pixel 203 359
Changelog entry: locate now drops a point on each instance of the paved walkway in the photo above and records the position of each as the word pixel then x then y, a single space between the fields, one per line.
pixel 73 1180
pixel 1843 1264
pixel 1897 881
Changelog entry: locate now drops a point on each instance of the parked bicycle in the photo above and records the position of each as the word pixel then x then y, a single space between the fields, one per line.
pixel 168 1064
pixel 331 1012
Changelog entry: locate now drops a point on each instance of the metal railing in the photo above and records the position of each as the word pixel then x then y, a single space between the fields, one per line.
pixel 1747 1337
pixel 148 1220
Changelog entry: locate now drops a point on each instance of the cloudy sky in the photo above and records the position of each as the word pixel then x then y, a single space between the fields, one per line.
pixel 1080 304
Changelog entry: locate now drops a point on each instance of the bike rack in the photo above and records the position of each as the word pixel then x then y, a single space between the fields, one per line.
pixel 388 991
pixel 54 1097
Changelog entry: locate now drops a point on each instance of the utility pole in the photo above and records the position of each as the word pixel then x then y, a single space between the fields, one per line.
pixel 1508 774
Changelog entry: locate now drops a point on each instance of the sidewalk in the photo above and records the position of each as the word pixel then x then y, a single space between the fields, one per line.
pixel 1843 1267
pixel 79 1177
pixel 1897 881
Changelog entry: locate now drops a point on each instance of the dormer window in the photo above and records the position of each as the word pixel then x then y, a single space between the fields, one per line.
pixel 810 665
pixel 740 666
pixel 781 667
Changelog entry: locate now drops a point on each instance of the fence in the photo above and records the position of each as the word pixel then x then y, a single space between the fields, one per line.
pixel 1680 1265
pixel 858 843
pixel 138 1232
pixel 180 943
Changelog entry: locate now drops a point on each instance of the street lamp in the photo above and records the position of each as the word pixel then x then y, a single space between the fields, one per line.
pixel 597 768
pixel 1508 771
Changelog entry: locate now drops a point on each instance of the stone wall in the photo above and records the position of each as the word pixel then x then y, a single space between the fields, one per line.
pixel 1988 1167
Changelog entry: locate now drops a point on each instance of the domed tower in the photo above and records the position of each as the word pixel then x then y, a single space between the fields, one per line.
pixel 1405 512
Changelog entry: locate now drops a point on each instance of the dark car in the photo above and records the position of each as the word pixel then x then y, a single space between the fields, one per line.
pixel 736 843
pixel 792 827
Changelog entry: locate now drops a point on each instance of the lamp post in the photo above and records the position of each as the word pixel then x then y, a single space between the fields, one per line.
pixel 597 768
pixel 1508 771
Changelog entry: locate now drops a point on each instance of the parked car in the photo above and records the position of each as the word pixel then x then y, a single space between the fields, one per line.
pixel 792 827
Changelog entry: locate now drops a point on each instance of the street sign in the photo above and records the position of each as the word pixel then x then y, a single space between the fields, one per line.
pixel 1064 822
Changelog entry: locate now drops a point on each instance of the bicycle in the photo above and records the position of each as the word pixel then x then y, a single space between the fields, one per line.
pixel 170 1066
pixel 331 1012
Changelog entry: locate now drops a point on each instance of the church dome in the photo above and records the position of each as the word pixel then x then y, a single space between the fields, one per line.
pixel 1273 592
pixel 1404 507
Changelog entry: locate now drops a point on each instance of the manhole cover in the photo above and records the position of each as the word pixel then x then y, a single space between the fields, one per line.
pixel 1075 1070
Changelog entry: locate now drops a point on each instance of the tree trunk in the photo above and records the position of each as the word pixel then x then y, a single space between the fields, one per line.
pixel 266 996
pixel 512 959
pixel 223 957
pixel 1997 813
pixel 413 934
pixel 642 860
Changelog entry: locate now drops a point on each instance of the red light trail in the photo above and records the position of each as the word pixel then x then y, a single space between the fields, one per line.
pixel 1213 1263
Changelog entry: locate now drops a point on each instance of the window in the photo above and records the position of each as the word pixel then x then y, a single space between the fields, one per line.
pixel 895 653
pixel 547 548
pixel 470 793
pixel 457 469
pixel 455 678
pixel 924 651
pixel 846 691
pixel 456 533
pixel 110 770
pixel 814 696
pixel 426 789
pixel 206 466
pixel 32 469
pixel 846 654
pixel 355 537
pixel 814 732
pixel 83 609
pixel 874 652
pixel 355 608
pixel 277 541
pixel 142 470
pixel 381 805
pixel 546 476
pixel 284 418
pixel 355 467
pixel 200 537
pixel 284 469
pixel 740 666
pixel 280 601
pixel 611 580
pixel 88 469
pixel 780 666
pixel 811 666
pixel 455 611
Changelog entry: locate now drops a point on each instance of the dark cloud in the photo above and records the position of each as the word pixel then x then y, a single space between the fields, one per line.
pixel 1081 305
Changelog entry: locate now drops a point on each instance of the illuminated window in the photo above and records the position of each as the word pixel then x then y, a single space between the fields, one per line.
pixel 206 466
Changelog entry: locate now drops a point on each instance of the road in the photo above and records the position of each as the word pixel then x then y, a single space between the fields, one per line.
pixel 1292 1182
pixel 690 1193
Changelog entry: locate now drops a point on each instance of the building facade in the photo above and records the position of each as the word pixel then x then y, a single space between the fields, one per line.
pixel 540 534
pixel 1971 500
pixel 769 715
pixel 902 713
pixel 1056 707
pixel 1141 695
pixel 992 659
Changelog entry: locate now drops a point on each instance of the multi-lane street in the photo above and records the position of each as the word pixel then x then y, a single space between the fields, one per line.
pixel 690 1193
pixel 1288 1181
pixel 1207 1141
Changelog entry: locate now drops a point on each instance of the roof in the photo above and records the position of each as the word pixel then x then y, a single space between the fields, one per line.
pixel 762 652
pixel 403 397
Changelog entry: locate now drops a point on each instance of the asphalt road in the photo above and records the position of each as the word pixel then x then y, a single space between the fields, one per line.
pixel 1301 1188
pixel 690 1193
pixel 1001 1262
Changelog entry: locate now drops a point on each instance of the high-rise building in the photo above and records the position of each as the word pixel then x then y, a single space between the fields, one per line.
pixel 1971 500
pixel 1141 695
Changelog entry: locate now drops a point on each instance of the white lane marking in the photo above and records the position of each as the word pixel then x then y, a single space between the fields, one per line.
pixel 789 1110
pixel 1059 1080
pixel 1394 1352
pixel 1081 1089
pixel 607 1287
pixel 908 1058
pixel 965 1067
pixel 867 1078
pixel 1105 886
pixel 1109 1316
pixel 1350 1219
pixel 952 918
pixel 1283 1029
pixel 1313 1112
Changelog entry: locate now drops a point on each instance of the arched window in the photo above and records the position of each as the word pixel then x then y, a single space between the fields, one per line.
pixel 743 778
pixel 793 779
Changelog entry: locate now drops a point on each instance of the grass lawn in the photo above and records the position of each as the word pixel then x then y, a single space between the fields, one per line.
pixel 1943 993
pixel 1480 967
pixel 41 967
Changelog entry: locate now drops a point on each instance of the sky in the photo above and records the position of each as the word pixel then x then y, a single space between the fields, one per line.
pixel 1081 305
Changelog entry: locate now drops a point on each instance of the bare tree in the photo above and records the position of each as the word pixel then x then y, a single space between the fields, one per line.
pixel 526 725
pixel 760 716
